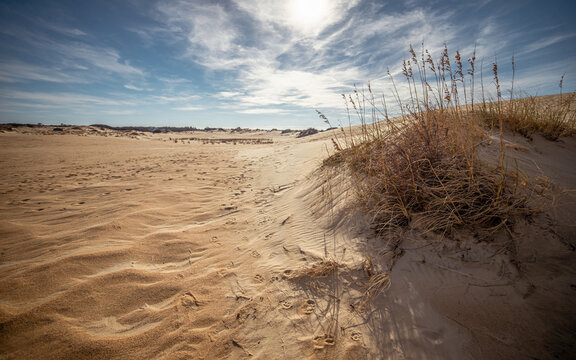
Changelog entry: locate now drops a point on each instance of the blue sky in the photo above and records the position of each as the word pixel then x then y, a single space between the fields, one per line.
pixel 253 63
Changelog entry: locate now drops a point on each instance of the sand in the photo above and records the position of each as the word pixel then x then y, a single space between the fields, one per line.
pixel 181 246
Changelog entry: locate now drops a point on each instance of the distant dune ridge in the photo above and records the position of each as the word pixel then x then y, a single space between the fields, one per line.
pixel 155 246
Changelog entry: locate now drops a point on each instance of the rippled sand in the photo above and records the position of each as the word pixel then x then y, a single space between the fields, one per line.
pixel 145 247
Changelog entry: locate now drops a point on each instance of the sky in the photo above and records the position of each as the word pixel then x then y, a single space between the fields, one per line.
pixel 255 63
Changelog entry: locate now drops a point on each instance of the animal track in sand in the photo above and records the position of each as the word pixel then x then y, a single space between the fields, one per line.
pixel 356 336
pixel 265 220
pixel 255 254
pixel 287 274
pixel 189 300
pixel 259 278
pixel 323 340
pixel 309 307
pixel 286 304
pixel 223 273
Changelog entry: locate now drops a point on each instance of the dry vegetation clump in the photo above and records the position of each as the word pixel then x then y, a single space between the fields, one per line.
pixel 320 269
pixel 530 114
pixel 428 172
pixel 422 168
pixel 534 115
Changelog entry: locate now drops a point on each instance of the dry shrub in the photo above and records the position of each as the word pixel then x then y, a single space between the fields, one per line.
pixel 422 168
pixel 428 172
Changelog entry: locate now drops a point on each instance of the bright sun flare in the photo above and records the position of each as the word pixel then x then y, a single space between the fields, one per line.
pixel 307 14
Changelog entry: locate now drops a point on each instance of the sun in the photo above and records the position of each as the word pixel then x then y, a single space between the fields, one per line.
pixel 308 15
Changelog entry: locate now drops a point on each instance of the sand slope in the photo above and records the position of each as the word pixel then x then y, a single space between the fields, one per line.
pixel 145 247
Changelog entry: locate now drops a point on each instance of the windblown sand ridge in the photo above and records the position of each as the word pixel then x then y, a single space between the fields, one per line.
pixel 115 247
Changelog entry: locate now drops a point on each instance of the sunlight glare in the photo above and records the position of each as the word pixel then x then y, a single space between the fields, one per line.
pixel 308 14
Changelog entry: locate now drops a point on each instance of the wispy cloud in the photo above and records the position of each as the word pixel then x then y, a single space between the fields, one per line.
pixel 227 94
pixel 73 54
pixel 119 112
pixel 189 108
pixel 173 80
pixel 209 28
pixel 260 111
pixel 133 87
pixel 177 98
pixel 102 58
pixel 17 71
pixel 535 78
pixel 277 60
pixel 62 99
pixel 545 42
pixel 60 29
pixel 16 104
pixel 255 57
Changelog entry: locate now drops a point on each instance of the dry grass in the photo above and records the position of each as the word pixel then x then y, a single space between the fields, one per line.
pixel 422 168
pixel 534 115
pixel 320 269
pixel 377 284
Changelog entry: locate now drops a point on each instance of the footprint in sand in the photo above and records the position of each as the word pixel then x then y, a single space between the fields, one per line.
pixel 223 273
pixel 309 307
pixel 188 300
pixel 286 304
pixel 322 341
pixel 259 278
pixel 255 254
pixel 356 336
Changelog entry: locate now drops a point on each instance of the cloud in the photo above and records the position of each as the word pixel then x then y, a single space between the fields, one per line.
pixel 63 30
pixel 103 58
pixel 16 104
pixel 132 87
pixel 206 26
pixel 545 42
pixel 178 98
pixel 274 60
pixel 227 94
pixel 260 56
pixel 17 71
pixel 267 86
pixel 119 112
pixel 261 111
pixel 534 78
pixel 189 108
pixel 62 99
pixel 173 80
pixel 66 54
pixel 302 18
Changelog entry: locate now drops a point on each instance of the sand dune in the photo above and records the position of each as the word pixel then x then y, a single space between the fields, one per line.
pixel 166 246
